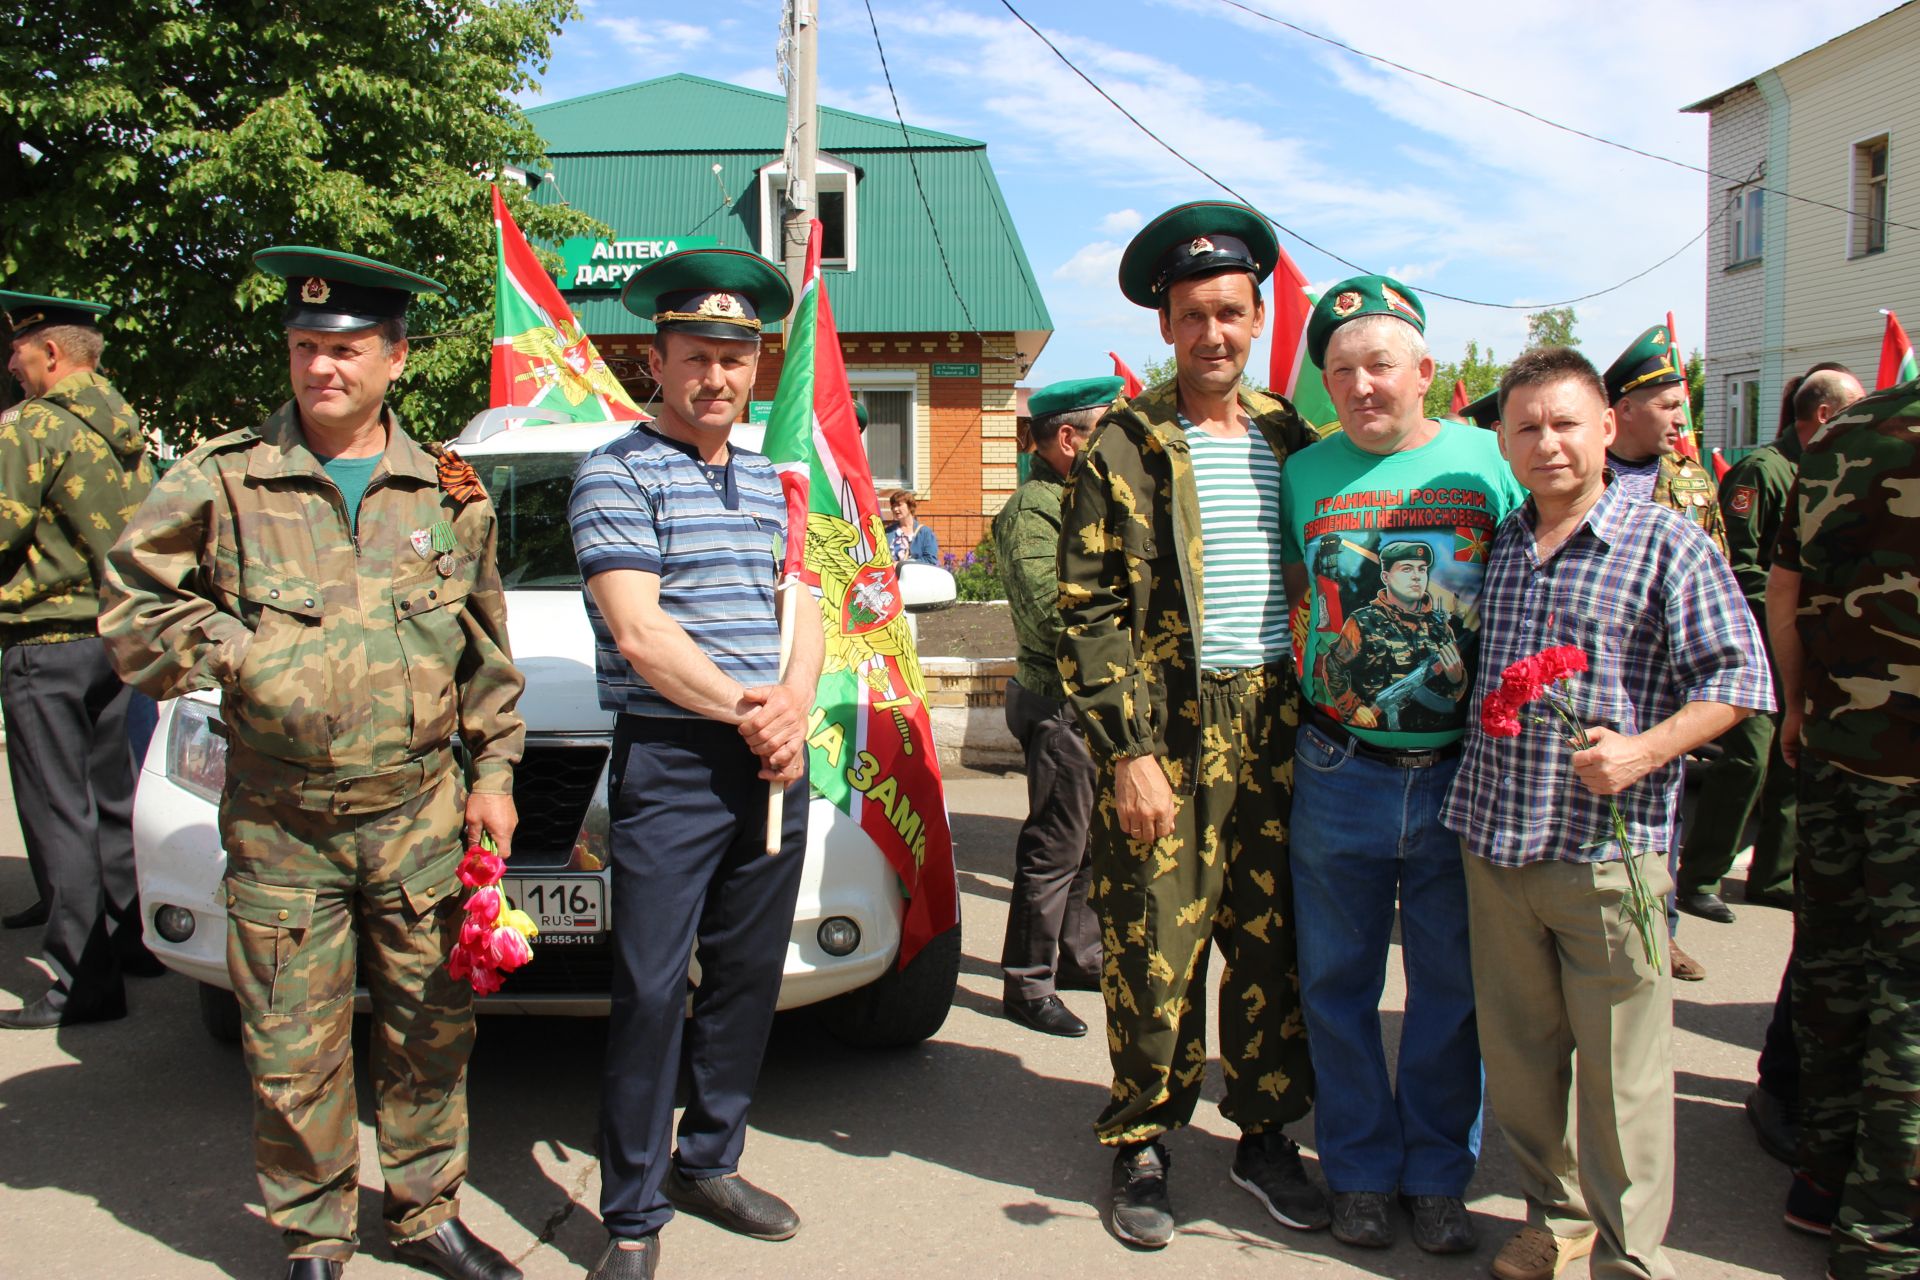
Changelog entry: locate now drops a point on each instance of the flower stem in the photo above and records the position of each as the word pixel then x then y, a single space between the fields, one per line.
pixel 1640 904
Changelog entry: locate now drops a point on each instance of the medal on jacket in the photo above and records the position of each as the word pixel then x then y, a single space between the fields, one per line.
pixel 422 541
pixel 446 542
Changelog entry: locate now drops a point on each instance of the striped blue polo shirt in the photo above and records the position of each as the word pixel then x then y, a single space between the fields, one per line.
pixel 712 533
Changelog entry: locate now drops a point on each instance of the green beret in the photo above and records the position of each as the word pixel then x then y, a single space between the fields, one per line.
pixel 711 293
pixel 1396 552
pixel 1198 239
pixel 1485 412
pixel 1647 363
pixel 1361 296
pixel 24 311
pixel 335 292
pixel 1076 393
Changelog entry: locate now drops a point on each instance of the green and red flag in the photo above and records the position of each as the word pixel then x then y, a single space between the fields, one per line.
pixel 1291 372
pixel 1897 364
pixel 870 739
pixel 541 357
pixel 1690 433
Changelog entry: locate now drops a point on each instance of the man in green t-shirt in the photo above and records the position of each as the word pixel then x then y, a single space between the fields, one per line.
pixel 1385 530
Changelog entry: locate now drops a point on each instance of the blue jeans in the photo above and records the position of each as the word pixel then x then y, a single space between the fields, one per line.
pixel 1365 833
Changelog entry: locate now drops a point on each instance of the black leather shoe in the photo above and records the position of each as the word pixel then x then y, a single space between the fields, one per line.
pixel 1046 1014
pixel 1142 1213
pixel 454 1251
pixel 313 1269
pixel 46 1013
pixel 1441 1224
pixel 1776 1124
pixel 1360 1219
pixel 628 1259
pixel 1707 906
pixel 733 1202
pixel 30 918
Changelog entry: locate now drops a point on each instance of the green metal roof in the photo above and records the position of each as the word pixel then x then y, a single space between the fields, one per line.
pixel 641 160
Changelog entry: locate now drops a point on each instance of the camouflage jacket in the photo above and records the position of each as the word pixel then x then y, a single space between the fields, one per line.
pixel 73 468
pixel 1026 540
pixel 343 654
pixel 1753 501
pixel 1381 644
pixel 1852 533
pixel 1685 486
pixel 1130 578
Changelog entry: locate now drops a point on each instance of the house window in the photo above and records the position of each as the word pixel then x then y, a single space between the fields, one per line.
pixel 835 189
pixel 1869 233
pixel 1743 411
pixel 1747 239
pixel 890 429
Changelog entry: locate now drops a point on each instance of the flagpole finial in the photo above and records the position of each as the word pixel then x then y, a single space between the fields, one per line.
pixel 1886 311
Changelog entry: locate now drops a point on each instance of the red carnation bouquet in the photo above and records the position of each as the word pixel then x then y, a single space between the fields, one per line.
pixel 495 936
pixel 1531 680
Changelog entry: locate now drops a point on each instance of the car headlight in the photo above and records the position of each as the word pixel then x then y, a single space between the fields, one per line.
pixel 196 754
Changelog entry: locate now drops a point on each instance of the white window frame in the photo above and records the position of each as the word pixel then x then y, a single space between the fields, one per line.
pixel 1743 427
pixel 859 380
pixel 1860 189
pixel 1746 240
pixel 829 175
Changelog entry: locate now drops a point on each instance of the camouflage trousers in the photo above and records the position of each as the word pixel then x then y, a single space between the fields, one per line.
pixel 1856 1010
pixel 1222 877
pixel 312 895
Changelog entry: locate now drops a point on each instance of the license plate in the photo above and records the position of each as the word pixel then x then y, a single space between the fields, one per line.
pixel 560 904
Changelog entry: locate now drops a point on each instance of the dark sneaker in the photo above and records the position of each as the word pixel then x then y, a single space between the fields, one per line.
pixel 733 1202
pixel 1360 1219
pixel 1268 1165
pixel 1142 1214
pixel 1441 1224
pixel 1809 1208
pixel 1775 1123
pixel 628 1259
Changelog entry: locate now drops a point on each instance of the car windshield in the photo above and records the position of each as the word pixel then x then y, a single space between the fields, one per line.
pixel 529 492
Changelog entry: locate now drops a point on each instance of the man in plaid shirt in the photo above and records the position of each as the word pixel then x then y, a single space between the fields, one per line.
pixel 1560 970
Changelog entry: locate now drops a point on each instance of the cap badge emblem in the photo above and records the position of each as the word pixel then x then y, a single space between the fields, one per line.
pixel 315 290
pixel 1199 246
pixel 722 304
pixel 1347 303
pixel 1398 303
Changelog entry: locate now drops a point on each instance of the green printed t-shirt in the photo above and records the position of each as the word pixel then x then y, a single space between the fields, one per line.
pixel 1390 648
pixel 352 475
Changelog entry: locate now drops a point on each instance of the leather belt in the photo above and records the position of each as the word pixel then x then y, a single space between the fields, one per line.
pixel 1338 734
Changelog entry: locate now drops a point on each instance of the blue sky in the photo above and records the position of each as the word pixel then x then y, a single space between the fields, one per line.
pixel 1394 173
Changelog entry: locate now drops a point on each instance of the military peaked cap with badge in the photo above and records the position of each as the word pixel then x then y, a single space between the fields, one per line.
pixel 1397 552
pixel 1484 412
pixel 1648 362
pixel 710 293
pixel 333 292
pixel 1198 239
pixel 1075 393
pixel 1361 296
pixel 24 311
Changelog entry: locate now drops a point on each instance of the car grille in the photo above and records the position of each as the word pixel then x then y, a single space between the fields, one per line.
pixel 563 971
pixel 552 787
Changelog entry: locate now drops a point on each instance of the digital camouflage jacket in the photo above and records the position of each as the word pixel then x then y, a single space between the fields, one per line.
pixel 1130 578
pixel 351 656
pixel 1026 540
pixel 73 469
pixel 1852 533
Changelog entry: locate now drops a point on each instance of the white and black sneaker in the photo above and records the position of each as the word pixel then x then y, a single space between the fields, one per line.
pixel 1142 1214
pixel 1268 1165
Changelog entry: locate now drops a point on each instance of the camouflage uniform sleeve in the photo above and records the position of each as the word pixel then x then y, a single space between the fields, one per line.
pixel 1029 567
pixel 23 478
pixel 489 685
pixel 163 630
pixel 1098 653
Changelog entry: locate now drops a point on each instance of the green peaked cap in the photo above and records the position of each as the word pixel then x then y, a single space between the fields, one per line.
pixel 1647 362
pixel 1484 412
pixel 1075 393
pixel 712 293
pixel 24 311
pixel 1202 238
pixel 1356 297
pixel 335 292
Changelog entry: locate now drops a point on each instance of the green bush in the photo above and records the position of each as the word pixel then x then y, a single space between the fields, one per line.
pixel 976 575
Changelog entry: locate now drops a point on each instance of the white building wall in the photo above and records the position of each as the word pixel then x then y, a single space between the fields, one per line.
pixel 1736 295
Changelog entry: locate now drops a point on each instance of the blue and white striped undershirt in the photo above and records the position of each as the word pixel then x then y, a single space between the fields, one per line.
pixel 1244 609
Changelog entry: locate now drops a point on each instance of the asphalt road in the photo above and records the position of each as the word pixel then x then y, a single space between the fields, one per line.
pixel 124 1147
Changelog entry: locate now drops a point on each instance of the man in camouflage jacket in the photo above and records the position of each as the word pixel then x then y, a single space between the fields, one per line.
pixel 1844 614
pixel 73 467
pixel 336 582
pixel 1392 637
pixel 1195 759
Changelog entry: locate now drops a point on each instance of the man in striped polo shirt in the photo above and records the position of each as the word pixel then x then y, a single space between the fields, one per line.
pixel 1175 657
pixel 678 535
pixel 1387 525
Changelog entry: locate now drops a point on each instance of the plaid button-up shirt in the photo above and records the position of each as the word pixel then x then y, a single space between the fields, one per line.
pixel 1645 594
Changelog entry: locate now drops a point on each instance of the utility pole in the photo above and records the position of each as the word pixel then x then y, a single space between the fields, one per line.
pixel 800 41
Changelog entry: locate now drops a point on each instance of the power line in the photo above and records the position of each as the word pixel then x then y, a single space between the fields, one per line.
pixel 1175 152
pixel 1540 119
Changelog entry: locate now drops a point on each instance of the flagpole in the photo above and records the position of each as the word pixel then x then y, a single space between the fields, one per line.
pixel 785 598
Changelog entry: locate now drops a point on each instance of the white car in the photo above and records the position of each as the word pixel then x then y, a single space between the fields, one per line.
pixel 846 929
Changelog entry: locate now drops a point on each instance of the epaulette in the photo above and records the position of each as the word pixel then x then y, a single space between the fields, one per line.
pixel 225 442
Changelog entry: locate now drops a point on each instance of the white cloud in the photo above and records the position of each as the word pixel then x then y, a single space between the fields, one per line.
pixel 1122 222
pixel 650 41
pixel 1095 264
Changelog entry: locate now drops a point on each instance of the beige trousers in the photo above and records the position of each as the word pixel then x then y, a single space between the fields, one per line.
pixel 1567 1001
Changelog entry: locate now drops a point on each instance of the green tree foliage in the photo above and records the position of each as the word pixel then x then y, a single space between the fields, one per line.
pixel 1697 387
pixel 1552 328
pixel 1478 369
pixel 148 147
